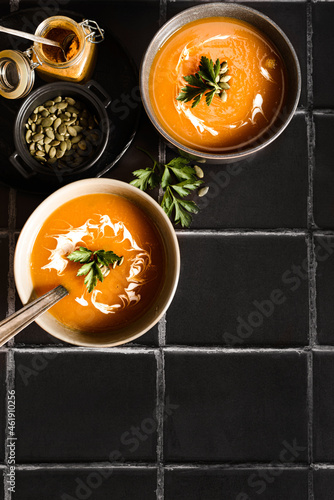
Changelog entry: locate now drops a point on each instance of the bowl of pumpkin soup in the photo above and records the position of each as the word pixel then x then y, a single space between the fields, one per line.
pixel 113 248
pixel 220 81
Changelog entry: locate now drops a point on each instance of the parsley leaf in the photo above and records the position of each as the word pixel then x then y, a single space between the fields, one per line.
pixel 177 179
pixel 210 80
pixel 95 264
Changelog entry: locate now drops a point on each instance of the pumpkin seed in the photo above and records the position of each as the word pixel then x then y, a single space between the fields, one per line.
pixel 47 148
pixel 28 136
pixel 70 100
pixel 72 131
pixel 225 78
pixel 37 137
pixel 62 129
pixel 56 123
pixel 223 96
pixel 57 99
pixel 61 105
pixel 77 139
pixel 82 145
pixel 50 134
pixel 52 152
pixel 52 109
pixel 199 172
pixel 47 122
pixel 60 153
pixel 60 137
pixel 63 146
pixel 55 143
pixel 40 153
pixel 203 191
pixel 224 85
pixel 49 103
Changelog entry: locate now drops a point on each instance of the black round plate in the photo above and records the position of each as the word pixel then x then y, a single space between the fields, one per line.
pixel 115 72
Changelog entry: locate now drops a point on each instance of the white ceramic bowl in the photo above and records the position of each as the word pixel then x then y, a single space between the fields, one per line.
pixel 157 216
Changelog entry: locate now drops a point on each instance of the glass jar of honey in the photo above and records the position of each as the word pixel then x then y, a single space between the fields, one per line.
pixel 76 61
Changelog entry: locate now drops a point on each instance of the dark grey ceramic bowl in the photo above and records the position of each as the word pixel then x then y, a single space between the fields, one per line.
pixel 266 26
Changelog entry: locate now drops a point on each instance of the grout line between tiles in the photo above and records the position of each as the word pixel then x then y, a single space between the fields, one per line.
pixel 169 466
pixel 242 232
pixel 312 262
pixel 88 465
pixel 160 492
pixel 160 420
pixel 310 247
pixel 11 250
pixel 209 349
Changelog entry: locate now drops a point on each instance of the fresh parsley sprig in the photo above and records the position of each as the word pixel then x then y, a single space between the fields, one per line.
pixel 177 179
pixel 211 79
pixel 96 265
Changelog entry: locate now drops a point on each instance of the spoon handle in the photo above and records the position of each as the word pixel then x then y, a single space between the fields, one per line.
pixel 30 36
pixel 22 318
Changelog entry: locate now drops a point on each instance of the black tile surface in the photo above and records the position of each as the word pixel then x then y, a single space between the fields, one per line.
pixel 240 290
pixel 231 415
pixel 323 484
pixel 86 407
pixel 3 403
pixel 323 39
pixel 97 483
pixel 324 248
pixel 236 407
pixel 324 173
pixel 201 484
pixel 267 191
pixel 323 386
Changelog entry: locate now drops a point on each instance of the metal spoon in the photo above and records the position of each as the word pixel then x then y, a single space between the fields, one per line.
pixel 22 318
pixel 45 41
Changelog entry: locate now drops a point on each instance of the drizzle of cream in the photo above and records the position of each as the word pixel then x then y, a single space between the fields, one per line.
pixel 184 56
pixel 257 107
pixel 265 73
pixel 198 123
pixel 140 260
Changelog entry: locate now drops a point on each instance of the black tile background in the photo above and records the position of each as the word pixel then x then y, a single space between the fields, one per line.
pixel 323 484
pixel 237 405
pixel 132 484
pixel 68 425
pixel 254 269
pixel 223 410
pixel 276 484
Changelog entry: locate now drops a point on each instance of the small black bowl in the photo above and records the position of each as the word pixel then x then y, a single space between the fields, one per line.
pixel 89 94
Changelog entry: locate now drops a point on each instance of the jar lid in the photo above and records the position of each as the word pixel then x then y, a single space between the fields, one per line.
pixel 17 74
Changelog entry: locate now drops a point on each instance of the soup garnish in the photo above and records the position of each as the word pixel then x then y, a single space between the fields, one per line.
pixel 177 180
pixel 103 229
pixel 96 265
pixel 211 80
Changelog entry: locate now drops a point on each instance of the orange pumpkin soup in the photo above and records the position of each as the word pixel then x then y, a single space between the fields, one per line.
pixel 255 96
pixel 99 222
